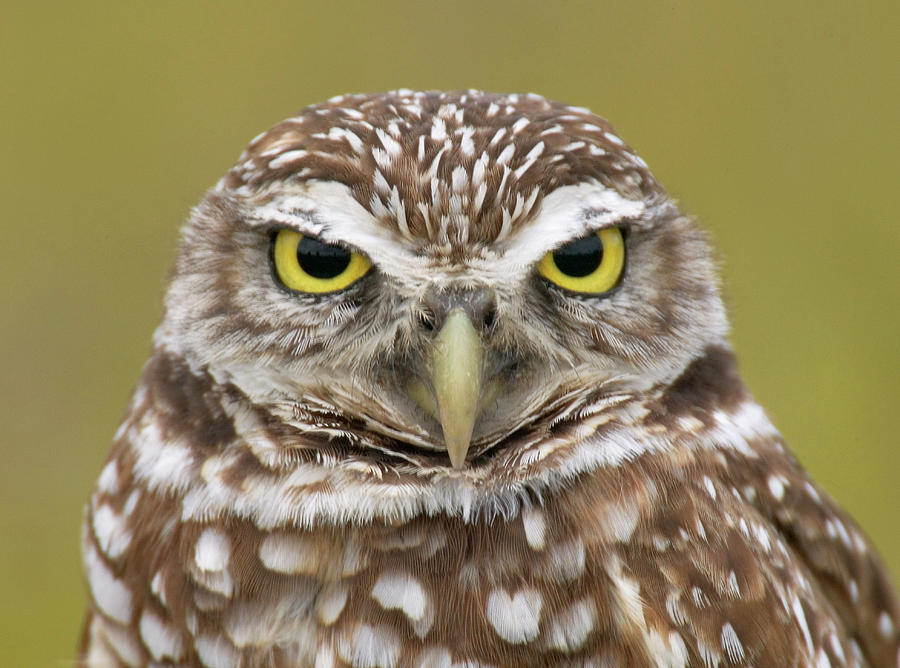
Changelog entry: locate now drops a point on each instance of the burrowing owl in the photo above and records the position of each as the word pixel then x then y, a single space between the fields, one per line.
pixel 443 380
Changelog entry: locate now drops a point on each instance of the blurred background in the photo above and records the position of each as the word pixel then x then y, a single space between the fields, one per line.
pixel 775 123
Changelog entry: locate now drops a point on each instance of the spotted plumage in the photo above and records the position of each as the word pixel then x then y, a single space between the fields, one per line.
pixel 290 487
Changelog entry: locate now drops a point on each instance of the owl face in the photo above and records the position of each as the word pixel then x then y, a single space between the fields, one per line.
pixel 568 272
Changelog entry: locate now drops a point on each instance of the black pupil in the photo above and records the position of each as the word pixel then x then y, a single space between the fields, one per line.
pixel 579 258
pixel 321 260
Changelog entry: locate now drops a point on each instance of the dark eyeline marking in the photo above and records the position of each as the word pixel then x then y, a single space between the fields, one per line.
pixel 189 402
pixel 710 382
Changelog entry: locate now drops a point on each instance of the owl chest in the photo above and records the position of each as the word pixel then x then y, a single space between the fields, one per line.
pixel 601 580
pixel 528 591
pixel 501 593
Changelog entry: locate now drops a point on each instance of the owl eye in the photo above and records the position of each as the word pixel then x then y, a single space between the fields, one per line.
pixel 306 264
pixel 590 265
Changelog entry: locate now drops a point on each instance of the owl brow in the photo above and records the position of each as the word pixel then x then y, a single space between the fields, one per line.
pixel 305 220
pixel 601 218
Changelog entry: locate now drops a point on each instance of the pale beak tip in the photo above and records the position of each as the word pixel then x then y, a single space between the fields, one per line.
pixel 457 452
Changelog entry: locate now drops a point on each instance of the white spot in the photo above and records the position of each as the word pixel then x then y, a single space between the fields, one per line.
pixel 324 656
pixel 216 652
pixel 836 647
pixel 710 487
pixel 732 586
pixel 351 137
pixel 480 195
pixel 164 465
pixel 731 644
pixel 287 158
pixel 330 603
pixel 854 591
pixel 131 502
pixel 438 129
pixel 535 527
pixel 99 652
pixel 379 182
pixel 776 486
pixel 401 591
pixel 678 651
pixel 520 125
pixel 383 160
pixel 762 537
pixel 506 154
pixel 673 607
pixel 370 647
pixel 162 640
pixel 885 625
pixel 212 551
pixel 797 607
pixel 521 169
pixel 610 137
pixel 566 560
pixel 708 655
pixel 434 657
pixel 109 478
pixel 111 531
pixel 843 533
pixel 420 151
pixel 110 593
pixel 535 152
pixel 285 553
pixel 391 145
pixel 272 622
pixel 460 179
pixel 701 530
pixel 700 598
pixel 629 592
pixel 571 628
pixel 669 652
pixel 822 660
pixel 156 587
pixel 812 491
pixel 516 618
pixel 467 146
pixel 255 140
pixel 124 644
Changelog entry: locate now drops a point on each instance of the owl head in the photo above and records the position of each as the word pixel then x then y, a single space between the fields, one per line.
pixel 438 284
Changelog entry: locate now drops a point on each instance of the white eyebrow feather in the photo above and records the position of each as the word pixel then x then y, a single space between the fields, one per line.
pixel 328 210
pixel 567 213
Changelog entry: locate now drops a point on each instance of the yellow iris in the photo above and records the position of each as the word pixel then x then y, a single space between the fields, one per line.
pixel 592 265
pixel 306 264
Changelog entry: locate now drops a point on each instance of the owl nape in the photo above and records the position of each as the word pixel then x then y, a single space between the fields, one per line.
pixel 443 379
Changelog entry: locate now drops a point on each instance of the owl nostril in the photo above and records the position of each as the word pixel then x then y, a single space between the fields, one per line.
pixel 489 316
pixel 479 304
pixel 426 319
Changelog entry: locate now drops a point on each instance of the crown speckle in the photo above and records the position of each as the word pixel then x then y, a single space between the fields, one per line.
pixel 442 167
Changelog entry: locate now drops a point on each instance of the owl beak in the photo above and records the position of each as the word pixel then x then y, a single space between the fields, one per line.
pixel 456 376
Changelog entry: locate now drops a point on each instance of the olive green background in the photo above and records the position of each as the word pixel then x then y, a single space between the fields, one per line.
pixel 776 123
